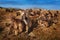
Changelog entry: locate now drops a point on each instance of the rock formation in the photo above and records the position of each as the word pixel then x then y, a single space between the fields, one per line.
pixel 19 22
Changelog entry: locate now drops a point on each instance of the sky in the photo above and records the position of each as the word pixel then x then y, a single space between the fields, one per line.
pixel 24 4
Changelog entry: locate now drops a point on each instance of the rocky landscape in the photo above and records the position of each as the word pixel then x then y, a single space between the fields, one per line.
pixel 29 24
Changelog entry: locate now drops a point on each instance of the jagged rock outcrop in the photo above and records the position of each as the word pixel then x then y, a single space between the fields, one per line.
pixel 16 22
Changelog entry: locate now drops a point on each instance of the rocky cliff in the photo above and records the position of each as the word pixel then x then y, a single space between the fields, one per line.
pixel 29 24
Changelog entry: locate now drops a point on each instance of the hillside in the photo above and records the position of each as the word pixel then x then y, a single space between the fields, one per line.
pixel 35 24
